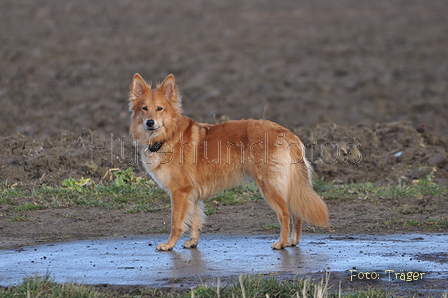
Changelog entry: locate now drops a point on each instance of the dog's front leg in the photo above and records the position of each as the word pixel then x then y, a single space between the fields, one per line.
pixel 197 217
pixel 179 208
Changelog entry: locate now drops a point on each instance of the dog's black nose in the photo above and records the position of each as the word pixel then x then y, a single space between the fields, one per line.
pixel 150 123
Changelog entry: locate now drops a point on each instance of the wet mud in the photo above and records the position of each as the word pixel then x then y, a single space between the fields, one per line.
pixel 399 260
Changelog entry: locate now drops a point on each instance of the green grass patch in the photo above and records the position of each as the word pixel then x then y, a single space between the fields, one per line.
pixel 210 211
pixel 29 207
pixel 368 190
pixel 146 197
pixel 271 226
pixel 127 192
pixel 133 194
pixel 45 287
pixel 237 195
pixel 6 200
pixel 257 286
pixel 412 223
pixel 427 224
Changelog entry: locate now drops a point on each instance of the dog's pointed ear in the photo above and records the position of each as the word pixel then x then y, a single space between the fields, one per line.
pixel 138 87
pixel 169 88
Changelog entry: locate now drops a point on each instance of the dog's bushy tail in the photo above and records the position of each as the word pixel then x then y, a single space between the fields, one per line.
pixel 303 201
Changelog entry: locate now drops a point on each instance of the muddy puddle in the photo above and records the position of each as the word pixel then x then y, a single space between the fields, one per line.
pixel 134 261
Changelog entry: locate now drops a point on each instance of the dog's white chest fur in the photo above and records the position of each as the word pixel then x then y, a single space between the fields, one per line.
pixel 152 163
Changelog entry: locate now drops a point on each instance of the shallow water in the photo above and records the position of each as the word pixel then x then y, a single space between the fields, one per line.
pixel 134 261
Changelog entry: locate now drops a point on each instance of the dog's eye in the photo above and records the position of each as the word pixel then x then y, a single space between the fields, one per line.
pixel 159 108
pixel 145 108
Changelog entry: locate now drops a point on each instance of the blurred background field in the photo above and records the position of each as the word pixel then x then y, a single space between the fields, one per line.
pixel 331 71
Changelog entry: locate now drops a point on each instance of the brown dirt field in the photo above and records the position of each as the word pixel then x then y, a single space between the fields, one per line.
pixel 363 83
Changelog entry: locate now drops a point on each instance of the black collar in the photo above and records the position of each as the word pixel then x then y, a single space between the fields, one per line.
pixel 155 147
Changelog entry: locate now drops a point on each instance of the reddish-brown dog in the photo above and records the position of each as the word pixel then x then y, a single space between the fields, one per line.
pixel 193 161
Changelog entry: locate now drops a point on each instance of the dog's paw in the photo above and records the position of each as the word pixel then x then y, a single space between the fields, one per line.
pixel 190 244
pixel 164 247
pixel 291 243
pixel 278 245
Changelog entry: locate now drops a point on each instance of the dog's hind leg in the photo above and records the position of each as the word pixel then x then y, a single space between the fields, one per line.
pixel 275 199
pixel 197 216
pixel 180 203
pixel 296 230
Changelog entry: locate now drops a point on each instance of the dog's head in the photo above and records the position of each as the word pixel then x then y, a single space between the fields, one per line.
pixel 154 111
